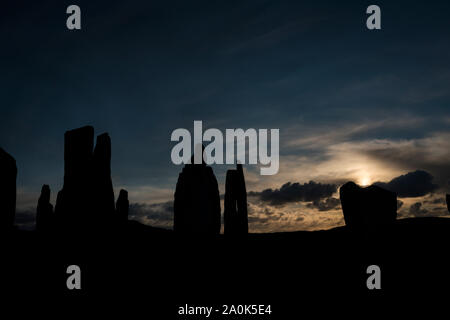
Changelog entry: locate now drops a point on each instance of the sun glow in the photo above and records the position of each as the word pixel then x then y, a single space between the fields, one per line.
pixel 364 181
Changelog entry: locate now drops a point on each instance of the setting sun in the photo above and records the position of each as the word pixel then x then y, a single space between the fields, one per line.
pixel 364 181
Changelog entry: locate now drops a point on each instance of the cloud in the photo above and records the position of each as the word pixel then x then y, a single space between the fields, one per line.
pixel 435 201
pixel 327 205
pixel 146 194
pixel 156 214
pixel 25 219
pixel 431 154
pixel 314 137
pixel 295 192
pixel 432 205
pixel 296 216
pixel 416 209
pixel 271 37
pixel 365 151
pixel 412 184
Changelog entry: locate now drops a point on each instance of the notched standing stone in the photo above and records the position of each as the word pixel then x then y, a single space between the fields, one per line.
pixel 367 207
pixel 86 200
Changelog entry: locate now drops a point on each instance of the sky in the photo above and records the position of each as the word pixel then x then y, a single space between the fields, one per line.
pixel 350 103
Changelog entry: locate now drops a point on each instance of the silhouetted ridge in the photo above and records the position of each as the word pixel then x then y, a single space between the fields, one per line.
pixel 197 201
pixel 86 200
pixel 44 211
pixel 367 207
pixel 122 207
pixel 8 175
pixel 235 213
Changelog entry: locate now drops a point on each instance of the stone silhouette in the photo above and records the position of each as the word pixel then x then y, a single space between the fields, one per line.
pixel 74 202
pixel 447 198
pixel 44 211
pixel 8 175
pixel 367 207
pixel 122 207
pixel 197 200
pixel 104 192
pixel 235 212
pixel 86 200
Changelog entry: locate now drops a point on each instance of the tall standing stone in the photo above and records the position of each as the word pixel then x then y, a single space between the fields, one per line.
pixel 44 211
pixel 8 176
pixel 235 213
pixel 86 201
pixel 104 192
pixel 74 204
pixel 197 201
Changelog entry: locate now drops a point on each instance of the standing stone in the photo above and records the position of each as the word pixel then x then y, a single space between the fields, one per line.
pixel 122 207
pixel 367 207
pixel 104 192
pixel 74 204
pixel 44 212
pixel 235 213
pixel 197 201
pixel 86 201
pixel 8 175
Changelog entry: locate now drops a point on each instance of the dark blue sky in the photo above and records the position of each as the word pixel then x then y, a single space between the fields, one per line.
pixel 140 69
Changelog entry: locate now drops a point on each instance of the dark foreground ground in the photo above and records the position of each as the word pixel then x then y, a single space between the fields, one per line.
pixel 152 270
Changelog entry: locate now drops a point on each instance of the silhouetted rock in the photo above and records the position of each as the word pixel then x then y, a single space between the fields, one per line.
pixel 447 198
pixel 122 206
pixel 197 201
pixel 367 207
pixel 104 193
pixel 235 213
pixel 86 200
pixel 8 175
pixel 74 204
pixel 44 212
